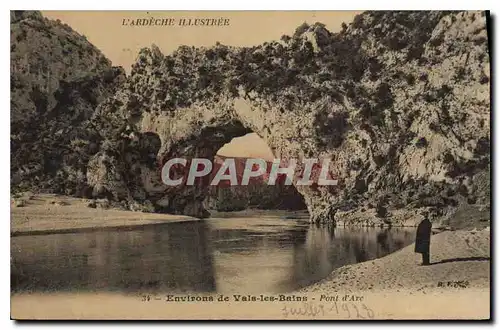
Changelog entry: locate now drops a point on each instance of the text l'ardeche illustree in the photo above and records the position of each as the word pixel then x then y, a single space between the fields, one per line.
pixel 169 21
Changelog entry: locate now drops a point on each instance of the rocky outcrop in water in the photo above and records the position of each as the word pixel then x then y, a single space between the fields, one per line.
pixel 399 101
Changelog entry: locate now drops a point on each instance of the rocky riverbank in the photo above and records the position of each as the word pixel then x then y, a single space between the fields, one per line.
pixel 463 217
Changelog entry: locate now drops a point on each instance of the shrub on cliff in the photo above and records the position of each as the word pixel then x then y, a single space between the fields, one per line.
pixel 54 94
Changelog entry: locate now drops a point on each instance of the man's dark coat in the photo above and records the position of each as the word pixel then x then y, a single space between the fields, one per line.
pixel 423 239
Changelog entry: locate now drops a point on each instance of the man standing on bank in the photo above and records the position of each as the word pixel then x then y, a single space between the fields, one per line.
pixel 423 239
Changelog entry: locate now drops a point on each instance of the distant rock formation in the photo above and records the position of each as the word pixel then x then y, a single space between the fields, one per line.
pixel 399 101
pixel 256 195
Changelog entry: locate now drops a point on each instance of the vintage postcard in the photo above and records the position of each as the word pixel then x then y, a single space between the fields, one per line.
pixel 250 165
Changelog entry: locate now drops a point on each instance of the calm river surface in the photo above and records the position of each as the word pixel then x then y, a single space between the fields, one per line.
pixel 254 254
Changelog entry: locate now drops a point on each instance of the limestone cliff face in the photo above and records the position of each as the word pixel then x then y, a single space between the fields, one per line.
pixel 399 101
pixel 57 80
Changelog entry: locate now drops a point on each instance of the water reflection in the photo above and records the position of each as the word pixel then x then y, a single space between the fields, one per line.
pixel 227 255
pixel 327 248
pixel 175 257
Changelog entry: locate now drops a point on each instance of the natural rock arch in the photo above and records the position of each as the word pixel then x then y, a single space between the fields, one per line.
pixel 365 98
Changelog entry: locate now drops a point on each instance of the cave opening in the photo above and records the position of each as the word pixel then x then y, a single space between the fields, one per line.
pixel 217 141
pixel 257 194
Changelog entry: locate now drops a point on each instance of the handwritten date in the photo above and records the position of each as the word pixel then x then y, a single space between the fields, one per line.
pixel 340 310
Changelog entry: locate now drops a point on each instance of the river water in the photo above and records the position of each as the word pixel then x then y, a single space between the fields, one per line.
pixel 251 254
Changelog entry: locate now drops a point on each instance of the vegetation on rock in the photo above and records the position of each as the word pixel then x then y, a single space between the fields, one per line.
pixel 398 101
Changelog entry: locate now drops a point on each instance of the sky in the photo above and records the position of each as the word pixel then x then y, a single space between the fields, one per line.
pixel 121 43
